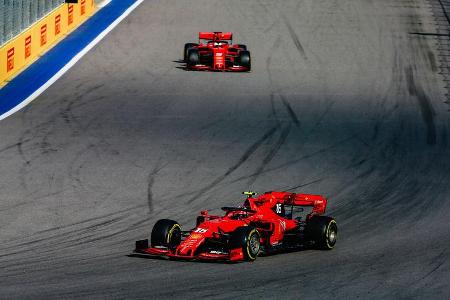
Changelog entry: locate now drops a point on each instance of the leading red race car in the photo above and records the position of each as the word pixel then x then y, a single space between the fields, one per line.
pixel 272 221
pixel 215 51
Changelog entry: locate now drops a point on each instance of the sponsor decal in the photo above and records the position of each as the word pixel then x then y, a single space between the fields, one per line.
pixel 219 54
pixel 57 24
pixel 10 60
pixel 28 47
pixel 216 252
pixel 83 7
pixel 43 35
pixel 283 225
pixel 195 236
pixel 200 230
pixel 70 19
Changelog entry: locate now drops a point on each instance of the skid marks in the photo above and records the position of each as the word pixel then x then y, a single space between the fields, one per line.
pixel 79 100
pixel 13 146
pixel 401 180
pixel 85 184
pixel 285 129
pixel 290 163
pixel 68 238
pixel 275 47
pixel 396 182
pixel 295 38
pixel 290 110
pixel 305 135
pixel 416 90
pixel 282 128
pixel 435 266
pixel 271 153
pixel 151 182
pixel 241 161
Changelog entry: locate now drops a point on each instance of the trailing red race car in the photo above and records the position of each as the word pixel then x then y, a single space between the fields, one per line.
pixel 215 51
pixel 270 222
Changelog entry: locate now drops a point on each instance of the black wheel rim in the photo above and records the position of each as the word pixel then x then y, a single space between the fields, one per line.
pixel 254 244
pixel 332 234
pixel 175 238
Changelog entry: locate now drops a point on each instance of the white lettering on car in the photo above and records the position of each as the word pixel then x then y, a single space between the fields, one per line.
pixel 200 230
pixel 278 208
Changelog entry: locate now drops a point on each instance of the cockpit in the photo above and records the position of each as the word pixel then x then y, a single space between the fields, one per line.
pixel 217 44
pixel 238 213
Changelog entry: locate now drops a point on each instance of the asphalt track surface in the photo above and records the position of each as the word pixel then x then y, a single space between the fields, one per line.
pixel 342 101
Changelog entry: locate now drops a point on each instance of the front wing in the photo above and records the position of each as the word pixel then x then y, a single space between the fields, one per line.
pixel 142 248
pixel 210 68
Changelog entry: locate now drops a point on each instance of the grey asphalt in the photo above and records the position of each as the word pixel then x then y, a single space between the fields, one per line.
pixel 342 101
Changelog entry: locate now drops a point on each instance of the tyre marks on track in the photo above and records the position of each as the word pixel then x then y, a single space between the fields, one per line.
pixel 295 38
pixel 284 131
pixel 290 111
pixel 269 133
pixel 151 182
pixel 272 153
pixel 424 102
pixel 62 239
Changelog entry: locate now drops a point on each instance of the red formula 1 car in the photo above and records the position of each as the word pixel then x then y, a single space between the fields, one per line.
pixel 270 222
pixel 216 52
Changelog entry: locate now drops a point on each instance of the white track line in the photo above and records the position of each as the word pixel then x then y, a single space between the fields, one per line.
pixel 103 4
pixel 71 63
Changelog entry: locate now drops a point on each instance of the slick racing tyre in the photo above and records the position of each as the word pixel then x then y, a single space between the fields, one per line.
pixel 193 57
pixel 323 231
pixel 244 59
pixel 187 46
pixel 166 233
pixel 248 239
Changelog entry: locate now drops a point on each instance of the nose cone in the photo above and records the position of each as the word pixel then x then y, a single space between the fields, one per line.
pixel 219 59
pixel 188 246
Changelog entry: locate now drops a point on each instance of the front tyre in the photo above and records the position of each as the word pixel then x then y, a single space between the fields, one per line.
pixel 193 57
pixel 323 231
pixel 248 239
pixel 187 46
pixel 244 59
pixel 166 233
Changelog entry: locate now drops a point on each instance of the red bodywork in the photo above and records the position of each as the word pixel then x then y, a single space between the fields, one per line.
pixel 269 215
pixel 217 53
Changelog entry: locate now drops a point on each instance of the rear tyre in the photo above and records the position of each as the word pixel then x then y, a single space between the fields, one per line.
pixel 166 233
pixel 188 46
pixel 323 231
pixel 193 57
pixel 245 59
pixel 247 238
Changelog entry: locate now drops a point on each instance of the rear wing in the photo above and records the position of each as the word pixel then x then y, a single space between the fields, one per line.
pixel 215 36
pixel 317 202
